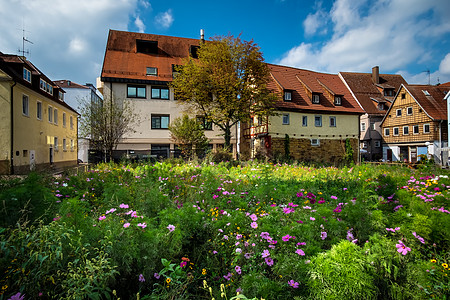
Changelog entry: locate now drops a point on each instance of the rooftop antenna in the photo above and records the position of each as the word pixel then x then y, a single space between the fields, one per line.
pixel 24 39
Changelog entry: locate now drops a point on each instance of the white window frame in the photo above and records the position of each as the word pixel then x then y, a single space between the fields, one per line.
pixel 55 143
pixel 429 128
pixel 337 100
pixel 363 126
pixel 406 128
pixel 393 131
pixel 332 121
pixel 55 116
pixel 372 125
pixel 50 114
pixel 39 110
pixel 26 74
pixel 315 98
pixel 152 71
pixel 64 121
pixel 315 142
pixel 305 121
pixel 285 120
pixel 64 145
pixel 318 118
pixel 407 111
pixel 25 105
pixel 386 131
pixel 287 96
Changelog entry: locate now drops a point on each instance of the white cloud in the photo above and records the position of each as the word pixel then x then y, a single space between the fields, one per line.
pixel 315 21
pixel 389 33
pixel 139 24
pixel 77 46
pixel 164 19
pixel 444 66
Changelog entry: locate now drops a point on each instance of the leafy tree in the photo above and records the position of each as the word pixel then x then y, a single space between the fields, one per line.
pixel 189 135
pixel 226 84
pixel 104 123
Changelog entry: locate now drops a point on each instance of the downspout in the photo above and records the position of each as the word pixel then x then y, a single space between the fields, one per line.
pixel 441 157
pixel 12 129
pixel 359 139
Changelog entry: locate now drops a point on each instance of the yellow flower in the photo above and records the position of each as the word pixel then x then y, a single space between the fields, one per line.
pixel 168 280
pixel 445 265
pixel 433 260
pixel 203 271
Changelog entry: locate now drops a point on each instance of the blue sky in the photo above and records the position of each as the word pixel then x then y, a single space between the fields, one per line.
pixel 407 37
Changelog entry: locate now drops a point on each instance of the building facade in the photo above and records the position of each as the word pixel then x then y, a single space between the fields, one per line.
pixel 375 93
pixel 416 124
pixel 77 95
pixel 316 115
pixel 38 129
pixel 138 68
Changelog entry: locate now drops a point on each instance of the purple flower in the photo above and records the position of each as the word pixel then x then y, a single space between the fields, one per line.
pixel 418 237
pixel 123 205
pixel 265 235
pixel 238 250
pixel 254 225
pixel 269 261
pixel 17 296
pixel 323 235
pixel 253 217
pixel 333 197
pixel 143 225
pixel 401 248
pixel 300 252
pixel 156 275
pixel 286 238
pixel 239 236
pixel 141 278
pixel 294 284
pixel 183 264
pixel 312 218
pixel 228 276
pixel 171 227
pixel 265 253
pixel 126 225
pixel 248 255
pixel 238 270
pixel 101 218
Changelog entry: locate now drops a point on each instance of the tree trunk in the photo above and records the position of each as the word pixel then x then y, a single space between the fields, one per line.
pixel 227 137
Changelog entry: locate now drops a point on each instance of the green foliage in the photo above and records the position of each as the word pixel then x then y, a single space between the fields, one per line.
pixel 341 273
pixel 348 154
pixel 189 135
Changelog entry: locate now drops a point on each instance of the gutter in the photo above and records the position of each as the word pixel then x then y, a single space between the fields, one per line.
pixel 12 129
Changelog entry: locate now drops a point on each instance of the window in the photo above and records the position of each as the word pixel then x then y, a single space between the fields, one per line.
pixel 39 110
pixel 337 100
pixel 377 144
pixel 147 47
pixel 55 144
pixel 160 93
pixel 55 117
pixel 285 119
pixel 27 75
pixel 160 121
pixel 50 114
pixel 363 126
pixel 46 87
pixel 386 132
pixel 409 111
pixel 364 145
pixel 64 119
pixel 405 130
pixel 416 129
pixel 426 93
pixel 403 96
pixel 396 130
pixel 193 50
pixel 398 112
pixel 71 122
pixel 205 124
pixel 315 142
pixel 315 98
pixel 72 145
pixel 305 121
pixel 388 92
pixel 136 91
pixel 318 121
pixel 372 125
pixel 287 96
pixel 64 145
pixel 25 105
pixel 426 128
pixel 152 71
pixel 332 121
pixel 380 106
pixel 61 96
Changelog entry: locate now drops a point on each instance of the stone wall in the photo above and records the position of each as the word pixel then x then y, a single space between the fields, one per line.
pixel 329 151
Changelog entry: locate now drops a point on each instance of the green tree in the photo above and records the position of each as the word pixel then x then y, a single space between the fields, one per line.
pixel 226 84
pixel 104 123
pixel 189 135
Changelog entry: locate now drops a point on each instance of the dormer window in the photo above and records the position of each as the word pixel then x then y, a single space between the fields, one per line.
pixel 152 71
pixel 389 92
pixel 147 47
pixel 380 106
pixel 61 96
pixel 315 99
pixel 27 75
pixel 193 51
pixel 337 100
pixel 287 96
pixel 46 87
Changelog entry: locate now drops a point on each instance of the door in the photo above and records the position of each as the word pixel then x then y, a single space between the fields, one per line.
pixel 51 156
pixel 413 153
pixel 389 155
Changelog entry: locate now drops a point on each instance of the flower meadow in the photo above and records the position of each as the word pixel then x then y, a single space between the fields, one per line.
pixel 227 231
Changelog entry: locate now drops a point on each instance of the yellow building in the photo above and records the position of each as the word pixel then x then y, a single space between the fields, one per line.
pixel 38 129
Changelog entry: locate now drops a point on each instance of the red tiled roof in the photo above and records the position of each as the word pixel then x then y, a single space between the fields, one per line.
pixel 67 84
pixel 302 82
pixel 433 103
pixel 447 84
pixel 123 61
pixel 364 89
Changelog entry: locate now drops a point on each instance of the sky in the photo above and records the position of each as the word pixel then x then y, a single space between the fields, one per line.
pixel 407 37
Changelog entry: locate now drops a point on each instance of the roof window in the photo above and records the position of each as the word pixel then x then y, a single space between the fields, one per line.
pixel 147 47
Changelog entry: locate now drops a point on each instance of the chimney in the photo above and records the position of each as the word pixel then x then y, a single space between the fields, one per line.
pixel 68 82
pixel 376 74
pixel 202 35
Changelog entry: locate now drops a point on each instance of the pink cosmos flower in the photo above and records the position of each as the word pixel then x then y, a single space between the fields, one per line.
pixel 171 227
pixel 421 239
pixel 269 261
pixel 238 270
pixel 401 248
pixel 333 197
pixel 156 275
pixel 183 264
pixel 265 253
pixel 323 235
pixel 253 217
pixel 141 278
pixel 300 252
pixel 143 225
pixel 101 218
pixel 126 225
pixel 294 284
pixel 312 218
pixel 286 238
pixel 123 205
pixel 254 225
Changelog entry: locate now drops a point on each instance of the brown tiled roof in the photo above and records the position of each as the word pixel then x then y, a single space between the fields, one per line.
pixel 303 82
pixel 122 61
pixel 70 84
pixel 447 84
pixel 434 105
pixel 364 89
